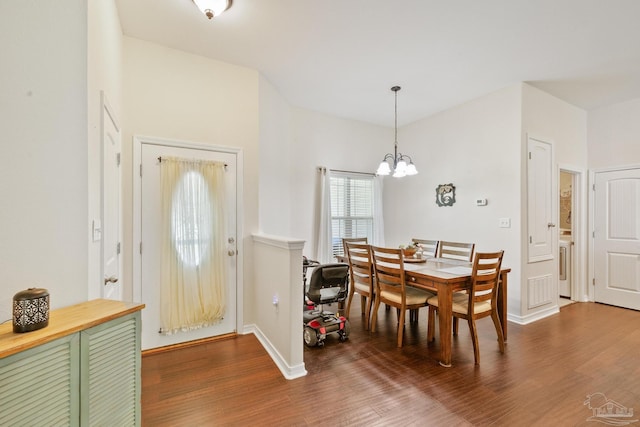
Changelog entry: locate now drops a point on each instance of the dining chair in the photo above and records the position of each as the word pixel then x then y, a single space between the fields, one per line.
pixel 388 267
pixel 361 277
pixel 456 250
pixel 345 240
pixel 429 247
pixel 480 301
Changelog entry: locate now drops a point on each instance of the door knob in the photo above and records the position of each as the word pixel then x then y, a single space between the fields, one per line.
pixel 112 279
pixel 231 252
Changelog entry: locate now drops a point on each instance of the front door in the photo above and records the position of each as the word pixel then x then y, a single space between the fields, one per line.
pixel 617 238
pixel 150 244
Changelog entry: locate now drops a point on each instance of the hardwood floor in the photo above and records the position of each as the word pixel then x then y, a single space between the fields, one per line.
pixel 543 378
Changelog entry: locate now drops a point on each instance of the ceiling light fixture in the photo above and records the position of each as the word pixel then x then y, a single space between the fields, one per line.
pixel 212 8
pixel 396 161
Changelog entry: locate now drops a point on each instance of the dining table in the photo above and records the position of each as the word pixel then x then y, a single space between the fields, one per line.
pixel 446 276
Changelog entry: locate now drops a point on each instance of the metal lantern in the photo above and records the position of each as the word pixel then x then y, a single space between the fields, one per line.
pixel 30 310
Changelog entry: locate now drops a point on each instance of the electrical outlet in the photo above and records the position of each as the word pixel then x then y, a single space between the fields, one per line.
pixel 504 223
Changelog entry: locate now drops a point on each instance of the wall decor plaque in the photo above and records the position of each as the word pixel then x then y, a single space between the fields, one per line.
pixel 445 195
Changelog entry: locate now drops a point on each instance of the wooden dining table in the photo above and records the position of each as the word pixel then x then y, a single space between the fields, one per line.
pixel 446 276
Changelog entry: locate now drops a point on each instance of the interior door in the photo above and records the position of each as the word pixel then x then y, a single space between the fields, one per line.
pixel 110 229
pixel 617 238
pixel 150 245
pixel 540 200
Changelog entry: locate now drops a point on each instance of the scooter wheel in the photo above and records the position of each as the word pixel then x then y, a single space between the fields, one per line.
pixel 344 334
pixel 310 336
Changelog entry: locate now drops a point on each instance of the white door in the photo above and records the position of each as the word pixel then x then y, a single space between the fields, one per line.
pixel 617 238
pixel 540 200
pixel 110 228
pixel 150 244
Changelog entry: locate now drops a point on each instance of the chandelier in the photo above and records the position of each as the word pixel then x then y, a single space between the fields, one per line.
pixel 212 8
pixel 396 162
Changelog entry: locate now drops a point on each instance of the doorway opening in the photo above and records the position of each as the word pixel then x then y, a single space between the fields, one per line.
pixel 570 240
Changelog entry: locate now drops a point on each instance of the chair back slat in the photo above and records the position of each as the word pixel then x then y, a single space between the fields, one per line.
pixel 345 240
pixel 429 247
pixel 456 250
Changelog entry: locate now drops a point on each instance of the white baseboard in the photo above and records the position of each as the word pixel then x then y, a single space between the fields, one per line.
pixel 289 372
pixel 530 318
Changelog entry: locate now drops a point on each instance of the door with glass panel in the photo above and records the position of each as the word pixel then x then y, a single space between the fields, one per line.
pixel 187 243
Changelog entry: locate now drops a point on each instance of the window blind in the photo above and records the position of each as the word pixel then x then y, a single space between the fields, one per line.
pixel 351 208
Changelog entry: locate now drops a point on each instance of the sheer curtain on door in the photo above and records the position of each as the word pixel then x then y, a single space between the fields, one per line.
pixel 193 275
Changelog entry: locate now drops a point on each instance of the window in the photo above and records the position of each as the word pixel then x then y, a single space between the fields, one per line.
pixel 351 208
pixel 191 221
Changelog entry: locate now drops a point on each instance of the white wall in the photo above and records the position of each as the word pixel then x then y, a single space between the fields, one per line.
pixel 104 73
pixel 275 195
pixel 555 119
pixel 565 126
pixel 476 147
pixel 180 96
pixel 613 135
pixel 43 177
pixel 278 293
pixel 321 140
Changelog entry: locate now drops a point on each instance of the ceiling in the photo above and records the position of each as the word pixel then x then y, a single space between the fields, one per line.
pixel 341 57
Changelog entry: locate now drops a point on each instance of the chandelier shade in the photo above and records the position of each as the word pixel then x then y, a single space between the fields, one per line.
pixel 396 164
pixel 212 8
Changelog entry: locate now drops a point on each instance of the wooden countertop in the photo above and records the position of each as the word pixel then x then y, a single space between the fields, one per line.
pixel 63 322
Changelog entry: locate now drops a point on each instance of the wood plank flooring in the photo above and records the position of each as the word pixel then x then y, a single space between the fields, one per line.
pixel 543 378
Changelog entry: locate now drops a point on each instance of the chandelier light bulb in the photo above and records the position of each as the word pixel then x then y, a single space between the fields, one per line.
pixel 401 169
pixel 411 169
pixel 383 169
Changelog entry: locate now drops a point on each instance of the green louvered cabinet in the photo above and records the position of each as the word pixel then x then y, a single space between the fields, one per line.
pixel 110 367
pixel 81 370
pixel 40 386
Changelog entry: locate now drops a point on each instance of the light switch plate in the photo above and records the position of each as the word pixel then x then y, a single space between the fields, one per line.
pixel 97 230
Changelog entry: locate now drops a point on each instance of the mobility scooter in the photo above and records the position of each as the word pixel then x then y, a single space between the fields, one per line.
pixel 329 284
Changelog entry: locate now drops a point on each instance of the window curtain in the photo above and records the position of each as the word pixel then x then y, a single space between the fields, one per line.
pixel 378 219
pixel 323 250
pixel 193 271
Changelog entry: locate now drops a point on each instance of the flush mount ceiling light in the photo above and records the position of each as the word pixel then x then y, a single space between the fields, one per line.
pixel 212 8
pixel 396 162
